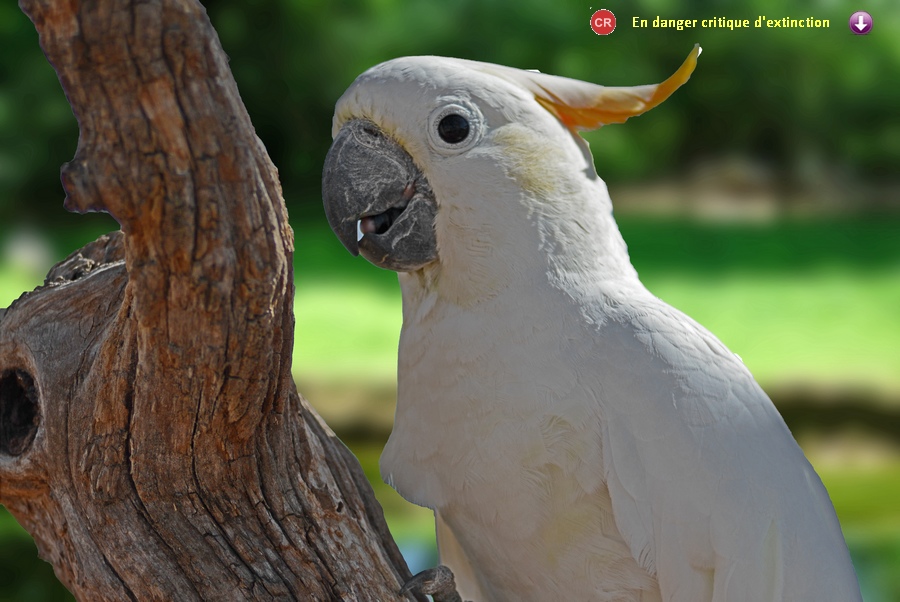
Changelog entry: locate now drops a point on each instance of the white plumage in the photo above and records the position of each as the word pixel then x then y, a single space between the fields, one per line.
pixel 578 438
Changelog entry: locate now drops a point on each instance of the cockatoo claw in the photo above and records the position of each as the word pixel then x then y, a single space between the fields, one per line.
pixel 437 582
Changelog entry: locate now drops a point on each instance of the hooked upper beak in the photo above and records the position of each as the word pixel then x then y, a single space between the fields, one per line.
pixel 376 199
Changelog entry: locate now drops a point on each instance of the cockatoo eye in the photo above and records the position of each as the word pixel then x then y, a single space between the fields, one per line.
pixel 453 128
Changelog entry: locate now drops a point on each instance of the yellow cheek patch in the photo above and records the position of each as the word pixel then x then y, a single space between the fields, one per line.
pixel 588 107
pixel 530 159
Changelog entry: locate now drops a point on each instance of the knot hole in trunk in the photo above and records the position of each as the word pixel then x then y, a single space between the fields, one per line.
pixel 19 412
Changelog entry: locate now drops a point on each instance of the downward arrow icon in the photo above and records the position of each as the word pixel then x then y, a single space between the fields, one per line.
pixel 860 24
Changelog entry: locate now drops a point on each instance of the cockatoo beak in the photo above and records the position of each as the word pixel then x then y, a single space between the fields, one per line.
pixel 377 201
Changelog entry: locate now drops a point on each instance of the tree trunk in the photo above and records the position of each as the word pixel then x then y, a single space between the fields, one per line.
pixel 151 437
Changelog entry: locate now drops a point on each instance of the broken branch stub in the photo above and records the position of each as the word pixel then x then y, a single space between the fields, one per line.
pixel 151 436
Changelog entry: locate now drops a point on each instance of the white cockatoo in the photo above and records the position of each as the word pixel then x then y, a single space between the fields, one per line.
pixel 576 437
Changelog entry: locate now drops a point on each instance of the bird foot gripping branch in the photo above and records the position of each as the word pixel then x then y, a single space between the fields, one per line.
pixel 576 437
pixel 437 582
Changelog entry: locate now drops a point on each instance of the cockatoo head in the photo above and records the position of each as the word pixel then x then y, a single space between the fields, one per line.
pixel 437 159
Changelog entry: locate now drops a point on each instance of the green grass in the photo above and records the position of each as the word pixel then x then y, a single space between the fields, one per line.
pixel 346 331
pixel 831 328
pixel 803 303
pixel 867 501
pixel 827 328
pixel 869 243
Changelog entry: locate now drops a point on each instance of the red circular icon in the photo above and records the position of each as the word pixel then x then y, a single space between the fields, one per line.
pixel 603 22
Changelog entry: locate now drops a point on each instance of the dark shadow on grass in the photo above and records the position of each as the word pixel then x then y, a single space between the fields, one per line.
pixel 790 245
pixel 810 412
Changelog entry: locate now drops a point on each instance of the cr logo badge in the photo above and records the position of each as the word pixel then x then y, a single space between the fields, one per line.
pixel 603 22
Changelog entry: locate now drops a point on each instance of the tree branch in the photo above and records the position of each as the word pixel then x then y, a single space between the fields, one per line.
pixel 151 437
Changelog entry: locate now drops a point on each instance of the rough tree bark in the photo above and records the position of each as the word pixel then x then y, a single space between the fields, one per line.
pixel 151 437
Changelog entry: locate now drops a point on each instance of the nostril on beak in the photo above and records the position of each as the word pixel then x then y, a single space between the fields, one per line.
pixel 368 133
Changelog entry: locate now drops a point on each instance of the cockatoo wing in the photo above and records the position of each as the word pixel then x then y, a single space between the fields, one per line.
pixel 709 488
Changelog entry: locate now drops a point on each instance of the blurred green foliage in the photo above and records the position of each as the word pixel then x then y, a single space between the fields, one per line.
pixel 24 578
pixel 808 102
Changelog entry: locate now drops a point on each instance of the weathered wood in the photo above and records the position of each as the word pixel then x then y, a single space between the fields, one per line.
pixel 151 437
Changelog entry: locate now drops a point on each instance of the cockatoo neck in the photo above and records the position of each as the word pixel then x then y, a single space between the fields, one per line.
pixel 521 238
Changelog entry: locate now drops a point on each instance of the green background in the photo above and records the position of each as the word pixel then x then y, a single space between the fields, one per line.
pixel 763 199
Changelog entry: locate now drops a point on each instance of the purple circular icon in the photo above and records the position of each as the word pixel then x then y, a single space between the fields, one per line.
pixel 860 23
